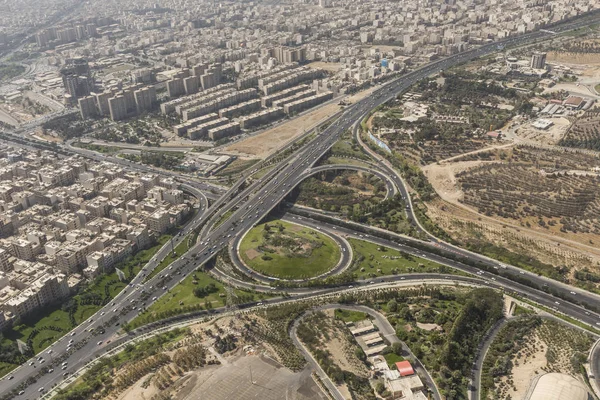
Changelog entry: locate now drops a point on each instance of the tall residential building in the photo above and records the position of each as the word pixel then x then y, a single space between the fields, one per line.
pixel 77 78
pixel 102 102
pixel 175 87
pixel 118 108
pixel 191 84
pixel 87 107
pixel 538 60
pixel 145 98
pixel 66 35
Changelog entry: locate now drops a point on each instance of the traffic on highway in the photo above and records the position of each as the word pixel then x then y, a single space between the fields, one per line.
pixel 241 207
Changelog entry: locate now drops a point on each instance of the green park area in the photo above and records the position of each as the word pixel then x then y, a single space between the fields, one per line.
pixel 349 315
pixel 372 260
pixel 196 292
pixel 43 328
pixel 288 251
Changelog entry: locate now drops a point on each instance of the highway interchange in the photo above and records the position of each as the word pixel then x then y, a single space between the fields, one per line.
pixel 253 204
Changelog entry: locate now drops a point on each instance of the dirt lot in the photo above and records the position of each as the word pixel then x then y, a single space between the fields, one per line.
pixel 526 369
pixel 265 143
pixel 443 178
pixel 527 133
pixel 573 58
pixel 249 377
pixel 549 348
pixel 326 66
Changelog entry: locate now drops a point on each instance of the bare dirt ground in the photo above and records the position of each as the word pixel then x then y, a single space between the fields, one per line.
pixel 528 134
pixel 573 58
pixel 326 66
pixel 442 177
pixel 554 247
pixel 265 143
pixel 549 348
pixel 252 254
pixel 461 222
pixel 137 391
pixel 341 350
pixel 238 376
pixel 429 327
pixel 48 138
pixel 250 377
pixel 525 369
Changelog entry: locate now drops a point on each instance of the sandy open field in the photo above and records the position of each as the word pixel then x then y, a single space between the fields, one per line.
pixel 250 377
pixel 325 66
pixel 574 58
pixel 265 143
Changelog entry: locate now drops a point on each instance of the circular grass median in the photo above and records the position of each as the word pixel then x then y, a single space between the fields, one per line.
pixel 288 251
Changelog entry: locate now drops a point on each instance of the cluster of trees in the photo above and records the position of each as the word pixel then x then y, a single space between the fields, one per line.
pixel 482 309
pixel 225 343
pixel 9 71
pixel 202 292
pixel 9 352
pixel 274 331
pixel 68 126
pixel 335 191
pixel 167 160
pixel 524 261
pixel 507 343
pixel 98 380
pixel 136 371
pixel 192 357
pixel 586 275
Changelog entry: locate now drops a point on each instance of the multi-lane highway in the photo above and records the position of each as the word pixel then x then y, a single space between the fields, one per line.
pixel 262 197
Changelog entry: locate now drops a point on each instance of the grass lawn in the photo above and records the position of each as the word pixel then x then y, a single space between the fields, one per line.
pixel 181 299
pixel 183 294
pixel 281 262
pixel 350 316
pixel 98 147
pixel 392 359
pixel 369 261
pixel 347 161
pixel 5 368
pixel 347 147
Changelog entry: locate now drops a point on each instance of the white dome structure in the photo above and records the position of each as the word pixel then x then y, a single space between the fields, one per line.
pixel 556 386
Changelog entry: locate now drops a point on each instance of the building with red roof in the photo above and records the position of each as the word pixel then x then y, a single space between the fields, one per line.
pixel 404 368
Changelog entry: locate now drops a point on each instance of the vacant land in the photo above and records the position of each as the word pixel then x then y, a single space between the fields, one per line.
pixel 266 143
pixel 250 377
pixel 286 250
pixel 520 199
pixel 528 347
